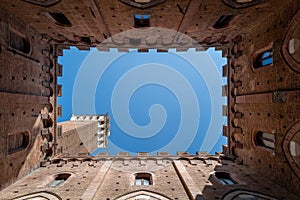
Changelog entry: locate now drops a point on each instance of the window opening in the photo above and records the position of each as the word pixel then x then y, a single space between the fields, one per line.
pixel 143 179
pixel 19 42
pixel 17 142
pixel 141 21
pixel 264 59
pixel 59 180
pixel 224 178
pixel 223 21
pixel 60 19
pixel 265 139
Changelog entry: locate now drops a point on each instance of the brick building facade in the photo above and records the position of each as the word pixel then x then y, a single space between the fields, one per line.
pixel 260 39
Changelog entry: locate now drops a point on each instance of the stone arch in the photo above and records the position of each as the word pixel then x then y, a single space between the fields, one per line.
pixel 41 195
pixel 291 45
pixel 245 194
pixel 141 193
pixel 289 143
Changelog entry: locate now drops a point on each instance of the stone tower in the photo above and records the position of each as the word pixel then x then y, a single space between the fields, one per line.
pixel 86 133
pixel 259 38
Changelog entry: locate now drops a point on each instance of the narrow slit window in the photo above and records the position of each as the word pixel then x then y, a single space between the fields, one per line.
pixel 264 59
pixel 223 21
pixel 141 21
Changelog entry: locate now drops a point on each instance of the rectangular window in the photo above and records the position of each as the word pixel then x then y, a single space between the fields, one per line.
pixel 141 21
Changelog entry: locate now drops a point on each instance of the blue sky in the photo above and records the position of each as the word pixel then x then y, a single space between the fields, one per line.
pixel 166 101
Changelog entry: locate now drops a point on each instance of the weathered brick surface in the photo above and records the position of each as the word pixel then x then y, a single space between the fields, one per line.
pixel 264 99
pixel 109 178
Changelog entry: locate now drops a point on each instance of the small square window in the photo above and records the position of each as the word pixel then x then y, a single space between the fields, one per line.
pixel 141 21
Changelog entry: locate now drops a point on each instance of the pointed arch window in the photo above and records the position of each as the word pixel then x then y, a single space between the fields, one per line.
pixel 143 179
pixel 263 59
pixel 266 140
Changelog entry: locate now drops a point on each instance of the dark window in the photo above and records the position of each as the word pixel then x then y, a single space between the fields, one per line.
pixel 47 123
pixel 265 140
pixel 223 21
pixel 17 142
pixel 59 179
pixel 264 59
pixel 85 40
pixel 224 178
pixel 60 19
pixel 143 179
pixel 19 42
pixel 141 21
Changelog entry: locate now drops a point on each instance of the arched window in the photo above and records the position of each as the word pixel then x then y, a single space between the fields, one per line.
pixel 17 142
pixel 223 21
pixel 225 178
pixel 59 19
pixel 141 21
pixel 143 179
pixel 263 59
pixel 266 140
pixel 295 148
pixel 59 179
pixel 291 147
